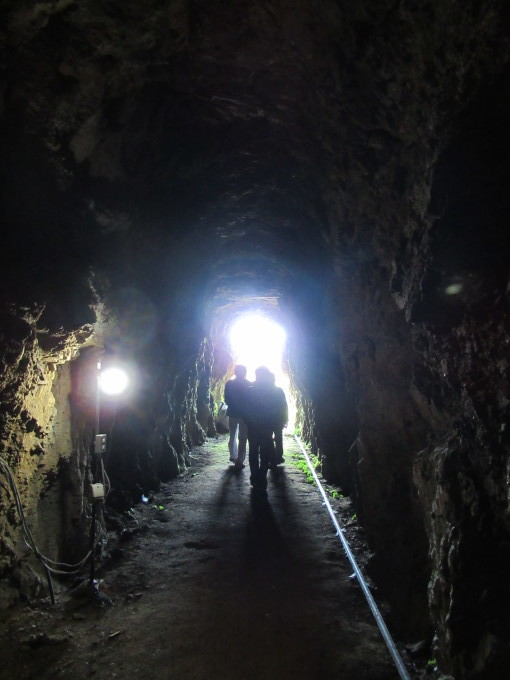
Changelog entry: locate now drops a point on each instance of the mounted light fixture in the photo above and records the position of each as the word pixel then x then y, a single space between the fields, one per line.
pixel 112 382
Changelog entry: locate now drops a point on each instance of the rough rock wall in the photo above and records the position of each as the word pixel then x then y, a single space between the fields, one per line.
pixel 382 237
pixel 430 377
pixel 49 412
pixel 460 332
pixel 462 481
pixel 37 443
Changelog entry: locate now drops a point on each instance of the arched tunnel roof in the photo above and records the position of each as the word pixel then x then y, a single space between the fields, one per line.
pixel 243 136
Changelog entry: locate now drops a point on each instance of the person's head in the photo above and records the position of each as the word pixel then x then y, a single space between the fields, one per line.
pixel 240 371
pixel 263 375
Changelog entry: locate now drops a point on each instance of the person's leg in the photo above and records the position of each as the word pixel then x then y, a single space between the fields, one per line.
pixel 266 456
pixel 243 435
pixel 232 442
pixel 278 443
pixel 253 456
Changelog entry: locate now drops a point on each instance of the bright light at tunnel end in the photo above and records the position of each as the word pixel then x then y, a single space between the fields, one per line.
pixel 113 381
pixel 256 340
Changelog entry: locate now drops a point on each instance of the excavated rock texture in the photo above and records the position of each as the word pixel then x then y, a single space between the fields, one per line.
pixel 166 163
pixel 461 379
pixel 48 396
pixel 36 440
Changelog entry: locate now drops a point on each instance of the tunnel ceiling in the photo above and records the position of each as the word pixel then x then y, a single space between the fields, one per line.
pixel 241 134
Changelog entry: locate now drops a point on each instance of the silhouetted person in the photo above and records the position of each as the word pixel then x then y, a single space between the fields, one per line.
pixel 259 414
pixel 235 398
pixel 281 418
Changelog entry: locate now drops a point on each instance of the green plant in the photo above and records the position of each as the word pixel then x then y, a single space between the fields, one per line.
pixel 303 466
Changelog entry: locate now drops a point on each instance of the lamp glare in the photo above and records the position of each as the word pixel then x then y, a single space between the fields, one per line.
pixel 113 381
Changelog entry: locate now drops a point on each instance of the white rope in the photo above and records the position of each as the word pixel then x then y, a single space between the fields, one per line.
pixel 397 659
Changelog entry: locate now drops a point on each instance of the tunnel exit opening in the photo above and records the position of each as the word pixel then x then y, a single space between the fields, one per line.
pixel 257 340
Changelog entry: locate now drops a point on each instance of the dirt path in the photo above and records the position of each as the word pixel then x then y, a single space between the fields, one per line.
pixel 215 581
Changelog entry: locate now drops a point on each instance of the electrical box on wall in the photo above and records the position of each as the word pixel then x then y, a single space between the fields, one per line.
pixel 96 492
pixel 100 443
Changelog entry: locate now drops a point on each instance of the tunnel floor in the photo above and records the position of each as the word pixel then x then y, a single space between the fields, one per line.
pixel 214 581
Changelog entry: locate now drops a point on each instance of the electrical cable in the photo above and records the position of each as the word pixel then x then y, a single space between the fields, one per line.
pixel 48 564
pixel 27 535
pixel 397 659
pixel 98 530
pixel 104 475
pixel 105 479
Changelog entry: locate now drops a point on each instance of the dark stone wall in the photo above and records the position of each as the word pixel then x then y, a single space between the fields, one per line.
pixel 462 367
pixel 49 403
pixel 43 450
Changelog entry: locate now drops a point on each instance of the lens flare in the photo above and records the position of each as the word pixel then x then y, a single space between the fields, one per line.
pixel 113 381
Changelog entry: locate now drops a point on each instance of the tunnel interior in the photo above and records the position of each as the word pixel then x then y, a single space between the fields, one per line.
pixel 341 169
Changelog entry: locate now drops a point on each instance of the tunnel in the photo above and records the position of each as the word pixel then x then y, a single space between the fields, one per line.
pixel 339 168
